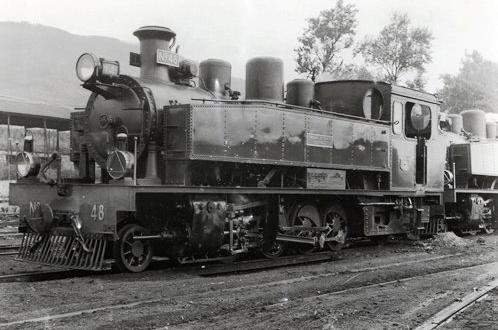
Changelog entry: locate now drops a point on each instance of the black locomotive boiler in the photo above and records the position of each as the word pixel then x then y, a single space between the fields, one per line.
pixel 173 163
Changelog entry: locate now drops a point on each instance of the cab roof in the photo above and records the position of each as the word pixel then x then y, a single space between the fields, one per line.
pixel 395 89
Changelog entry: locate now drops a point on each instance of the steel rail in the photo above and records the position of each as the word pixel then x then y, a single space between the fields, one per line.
pixel 11 234
pixel 250 265
pixel 10 247
pixel 10 253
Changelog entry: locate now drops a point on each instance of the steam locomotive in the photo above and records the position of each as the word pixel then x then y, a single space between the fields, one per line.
pixel 173 163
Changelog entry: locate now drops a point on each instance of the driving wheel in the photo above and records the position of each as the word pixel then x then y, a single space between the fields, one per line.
pixel 306 216
pixel 334 218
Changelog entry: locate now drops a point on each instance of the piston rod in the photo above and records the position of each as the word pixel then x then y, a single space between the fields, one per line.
pixel 294 239
pixel 160 236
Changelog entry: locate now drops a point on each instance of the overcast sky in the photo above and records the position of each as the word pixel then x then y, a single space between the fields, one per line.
pixel 236 30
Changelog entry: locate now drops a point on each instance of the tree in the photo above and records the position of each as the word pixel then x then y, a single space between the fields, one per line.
pixel 418 82
pixel 398 49
pixel 475 85
pixel 324 38
pixel 349 72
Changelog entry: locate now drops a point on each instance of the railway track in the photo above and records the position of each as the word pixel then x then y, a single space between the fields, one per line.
pixel 11 234
pixel 8 253
pixel 9 250
pixel 445 316
pixel 201 269
pixel 197 269
pixel 44 276
pixel 211 271
pixel 9 246
pixel 259 264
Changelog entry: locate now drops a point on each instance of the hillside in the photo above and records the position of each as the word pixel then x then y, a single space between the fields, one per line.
pixel 38 62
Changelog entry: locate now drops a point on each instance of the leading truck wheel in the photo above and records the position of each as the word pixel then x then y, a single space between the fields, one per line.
pixel 132 255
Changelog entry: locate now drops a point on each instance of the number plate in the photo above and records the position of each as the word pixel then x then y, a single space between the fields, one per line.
pixel 167 58
pixel 97 212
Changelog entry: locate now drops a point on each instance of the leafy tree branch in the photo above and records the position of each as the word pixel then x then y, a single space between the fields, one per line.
pixel 324 38
pixel 398 49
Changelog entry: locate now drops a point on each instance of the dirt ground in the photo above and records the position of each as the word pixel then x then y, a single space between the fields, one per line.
pixel 396 285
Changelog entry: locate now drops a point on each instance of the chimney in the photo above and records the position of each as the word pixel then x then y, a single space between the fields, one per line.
pixel 151 39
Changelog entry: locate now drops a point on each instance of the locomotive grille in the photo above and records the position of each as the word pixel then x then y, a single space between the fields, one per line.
pixel 63 250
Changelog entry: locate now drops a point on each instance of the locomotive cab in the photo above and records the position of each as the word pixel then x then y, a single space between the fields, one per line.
pixel 416 138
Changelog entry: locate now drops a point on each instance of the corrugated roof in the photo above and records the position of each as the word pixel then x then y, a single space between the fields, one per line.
pixel 33 107
pixel 32 113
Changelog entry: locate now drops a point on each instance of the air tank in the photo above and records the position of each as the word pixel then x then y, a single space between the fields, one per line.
pixel 474 121
pixel 491 127
pixel 300 92
pixel 214 75
pixel 456 123
pixel 265 79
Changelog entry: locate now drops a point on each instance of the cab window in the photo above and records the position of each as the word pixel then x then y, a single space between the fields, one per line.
pixel 372 104
pixel 417 120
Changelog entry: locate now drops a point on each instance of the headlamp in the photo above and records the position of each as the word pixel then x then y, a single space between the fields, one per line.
pixel 119 163
pixel 89 67
pixel 27 164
